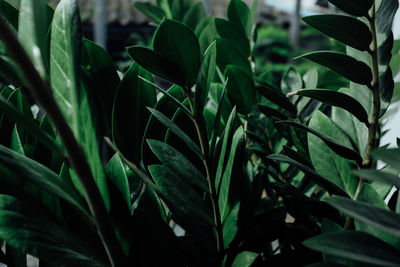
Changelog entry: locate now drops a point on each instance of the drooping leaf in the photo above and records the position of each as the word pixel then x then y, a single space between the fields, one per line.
pixel 345 29
pixel 318 179
pixel 357 246
pixel 338 99
pixel 346 66
pixel 355 7
pixel 150 10
pixel 270 112
pixel 130 116
pixel 380 176
pixel 276 96
pixel 390 156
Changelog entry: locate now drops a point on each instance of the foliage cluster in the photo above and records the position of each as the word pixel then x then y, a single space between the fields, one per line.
pixel 99 168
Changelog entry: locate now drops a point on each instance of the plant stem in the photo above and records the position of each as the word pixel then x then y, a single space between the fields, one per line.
pixel 374 120
pixel 77 159
pixel 210 178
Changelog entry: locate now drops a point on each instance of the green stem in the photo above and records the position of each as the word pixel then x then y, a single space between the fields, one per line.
pixel 374 120
pixel 210 178
pixel 77 159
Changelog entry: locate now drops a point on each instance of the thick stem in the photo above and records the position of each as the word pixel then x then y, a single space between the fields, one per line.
pixel 210 178
pixel 77 159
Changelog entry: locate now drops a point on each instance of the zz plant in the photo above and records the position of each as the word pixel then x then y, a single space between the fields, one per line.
pixel 103 168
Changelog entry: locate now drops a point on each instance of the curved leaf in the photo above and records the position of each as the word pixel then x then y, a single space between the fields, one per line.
pixel 150 10
pixel 379 176
pixel 337 99
pixel 354 7
pixel 229 31
pixel 195 14
pixel 240 88
pixel 357 246
pixel 245 259
pixel 345 65
pixel 239 13
pixel 345 29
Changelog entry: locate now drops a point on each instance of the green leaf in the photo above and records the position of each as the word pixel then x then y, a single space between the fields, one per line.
pixel 239 13
pixel 9 13
pixel 73 99
pixel 386 84
pixel 230 226
pixel 327 162
pixel 311 79
pixel 117 173
pixel 180 193
pixel 270 112
pixel 176 130
pixel 194 15
pixel 179 8
pixel 379 176
pixel 15 115
pixel 157 64
pixel 385 15
pixel 245 259
pixel 339 148
pixel 291 81
pixel 354 7
pixel 357 246
pixel 30 229
pixel 228 54
pixel 33 25
pixel 176 163
pixel 130 116
pixel 224 188
pixel 276 96
pixel 150 10
pixel 318 179
pixel 380 218
pixel 240 88
pixel 41 176
pixel 16 142
pixel 346 66
pixel 390 156
pixel 338 99
pixel 231 32
pixel 205 79
pixel 179 44
pixel 348 30
pixel 99 64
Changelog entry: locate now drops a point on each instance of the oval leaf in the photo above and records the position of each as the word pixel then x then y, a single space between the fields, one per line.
pixel 354 7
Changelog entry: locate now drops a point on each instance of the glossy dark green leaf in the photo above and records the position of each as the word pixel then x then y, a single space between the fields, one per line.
pixel 194 15
pixel 179 8
pixel 117 174
pixel 130 115
pixel 380 218
pixel 178 43
pixel 318 179
pixel 338 99
pixel 157 64
pixel 9 70
pixel 240 88
pixel 41 176
pixel 70 94
pixel 9 13
pixel 182 195
pixel 230 225
pixel 386 85
pixel 340 149
pixel 224 189
pixel 17 143
pixel 245 259
pixel 206 76
pixel 229 31
pixel 355 7
pixel 357 246
pixel 380 176
pixel 176 163
pixel 230 55
pixel 346 66
pixel 345 29
pixel 33 25
pixel 150 10
pixel 239 13
pixel 176 130
pixel 207 34
pixel 276 96
pixel 30 229
pixel 99 64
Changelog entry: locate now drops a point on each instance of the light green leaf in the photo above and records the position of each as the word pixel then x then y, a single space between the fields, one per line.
pixel 245 259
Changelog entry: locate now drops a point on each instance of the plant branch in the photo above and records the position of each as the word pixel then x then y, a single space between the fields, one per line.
pixel 210 178
pixel 43 96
